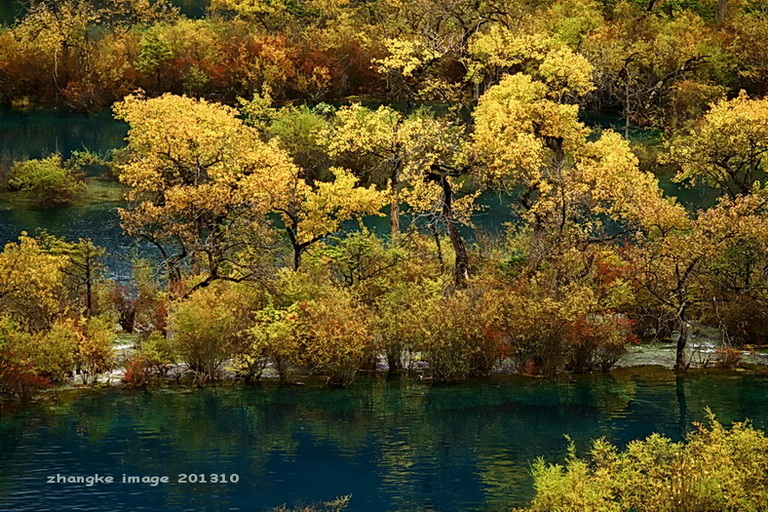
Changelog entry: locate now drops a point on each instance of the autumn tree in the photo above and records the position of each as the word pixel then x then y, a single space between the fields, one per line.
pixel 528 139
pixel 381 137
pixel 311 212
pixel 424 159
pixel 728 149
pixel 680 271
pixel 84 268
pixel 126 14
pixel 200 185
pixel 576 195
pixel 31 283
pixel 661 69
pixel 59 33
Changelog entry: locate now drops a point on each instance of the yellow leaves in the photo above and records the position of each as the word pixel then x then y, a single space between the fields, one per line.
pixel 567 72
pixel 538 55
pixel 715 469
pixel 205 327
pixel 499 46
pixel 338 334
pixel 248 9
pixel 31 282
pixel 621 190
pixel 513 119
pixel 312 324
pixel 408 146
pixel 743 218
pixel 359 129
pixel 525 138
pixel 323 208
pixel 198 174
pixel 190 157
pixel 729 147
pixel 405 56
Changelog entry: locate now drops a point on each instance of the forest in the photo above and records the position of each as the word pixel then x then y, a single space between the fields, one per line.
pixel 266 137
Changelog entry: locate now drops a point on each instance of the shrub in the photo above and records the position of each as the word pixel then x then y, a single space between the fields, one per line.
pixel 338 336
pixel 48 180
pixel 460 335
pixel 274 337
pixel 94 352
pixel 335 505
pixel 397 322
pixel 205 328
pixel 572 332
pixel 31 283
pixel 728 357
pixel 53 353
pixel 137 373
pixel 715 469
pixel 157 352
pixel 154 357
pixel 17 373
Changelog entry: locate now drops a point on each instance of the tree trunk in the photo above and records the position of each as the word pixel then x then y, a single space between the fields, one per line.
pixel 722 12
pixel 461 268
pixel 438 245
pixel 296 256
pixel 88 286
pixel 682 341
pixel 394 209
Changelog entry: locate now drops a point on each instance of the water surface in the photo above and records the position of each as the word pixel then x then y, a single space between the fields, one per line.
pixel 395 445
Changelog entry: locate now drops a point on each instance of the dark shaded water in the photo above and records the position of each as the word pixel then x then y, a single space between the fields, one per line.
pixel 395 445
pixel 11 9
pixel 38 133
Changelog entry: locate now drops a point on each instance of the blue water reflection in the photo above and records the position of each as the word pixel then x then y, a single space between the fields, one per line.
pixel 395 445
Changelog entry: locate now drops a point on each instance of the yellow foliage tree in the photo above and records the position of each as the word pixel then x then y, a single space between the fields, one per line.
pixel 728 149
pixel 200 181
pixel 425 159
pixel 675 270
pixel 526 139
pixel 310 213
pixel 31 283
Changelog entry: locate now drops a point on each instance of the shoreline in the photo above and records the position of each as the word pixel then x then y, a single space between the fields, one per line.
pixel 655 357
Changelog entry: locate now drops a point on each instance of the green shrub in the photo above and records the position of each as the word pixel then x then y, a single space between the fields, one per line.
pixel 273 338
pixel 714 470
pixel 48 180
pixel 157 352
pixel 154 357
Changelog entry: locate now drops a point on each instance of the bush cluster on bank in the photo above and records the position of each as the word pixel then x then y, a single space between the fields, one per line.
pixel 715 468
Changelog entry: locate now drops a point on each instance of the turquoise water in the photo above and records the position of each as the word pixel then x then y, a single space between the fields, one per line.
pixel 395 445
pixel 38 133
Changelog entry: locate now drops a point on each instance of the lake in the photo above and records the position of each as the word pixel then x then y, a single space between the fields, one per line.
pixel 394 444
